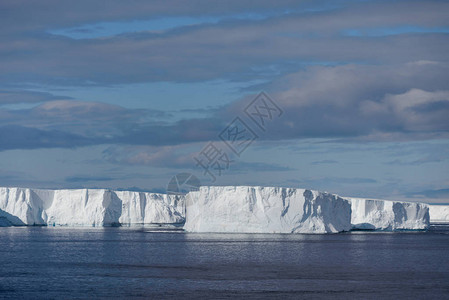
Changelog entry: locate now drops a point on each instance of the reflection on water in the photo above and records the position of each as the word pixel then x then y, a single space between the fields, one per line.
pixel 125 262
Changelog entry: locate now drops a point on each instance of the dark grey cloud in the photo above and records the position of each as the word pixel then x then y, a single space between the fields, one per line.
pixel 89 119
pixel 179 157
pixel 20 137
pixel 47 14
pixel 361 101
pixel 244 167
pixel 182 59
pixel 70 123
pixel 349 101
pixel 367 88
pixel 432 155
pixel 164 156
pixel 234 50
pixel 24 96
pixel 432 194
pixel 324 162
pixel 184 131
pixel 84 179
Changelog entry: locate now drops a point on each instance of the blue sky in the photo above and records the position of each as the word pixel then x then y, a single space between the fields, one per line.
pixel 112 95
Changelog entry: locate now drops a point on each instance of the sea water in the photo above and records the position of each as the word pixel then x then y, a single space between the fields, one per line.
pixel 65 263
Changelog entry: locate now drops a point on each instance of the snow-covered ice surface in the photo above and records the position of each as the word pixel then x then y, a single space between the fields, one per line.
pixel 439 213
pixel 85 207
pixel 265 210
pixel 388 215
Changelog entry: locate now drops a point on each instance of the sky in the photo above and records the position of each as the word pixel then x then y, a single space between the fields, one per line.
pixel 349 97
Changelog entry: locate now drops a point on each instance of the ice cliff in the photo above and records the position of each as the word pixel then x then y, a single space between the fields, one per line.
pixel 388 215
pixel 439 213
pixel 265 210
pixel 216 209
pixel 92 207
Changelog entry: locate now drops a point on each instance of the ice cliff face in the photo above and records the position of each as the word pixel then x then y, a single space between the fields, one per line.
pixel 265 210
pixel 146 208
pixel 388 215
pixel 216 209
pixel 92 207
pixel 439 213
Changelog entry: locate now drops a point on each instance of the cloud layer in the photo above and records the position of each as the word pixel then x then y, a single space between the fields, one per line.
pixel 408 101
pixel 352 72
pixel 234 49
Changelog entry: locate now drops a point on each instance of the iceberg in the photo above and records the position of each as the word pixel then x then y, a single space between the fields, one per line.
pixel 86 207
pixel 439 213
pixel 368 214
pixel 242 209
pixel 265 210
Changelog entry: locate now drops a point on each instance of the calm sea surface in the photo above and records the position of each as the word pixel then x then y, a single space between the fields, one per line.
pixel 62 263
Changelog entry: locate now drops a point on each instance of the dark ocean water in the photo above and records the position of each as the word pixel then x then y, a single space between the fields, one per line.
pixel 63 263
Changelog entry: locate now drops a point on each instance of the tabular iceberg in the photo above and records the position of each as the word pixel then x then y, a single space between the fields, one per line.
pixel 81 207
pixel 216 209
pixel 388 215
pixel 265 210
pixel 439 213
